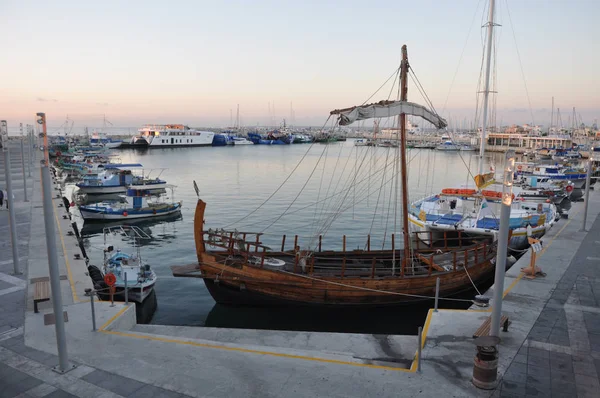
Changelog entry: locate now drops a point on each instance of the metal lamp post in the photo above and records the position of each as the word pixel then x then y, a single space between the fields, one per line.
pixel 588 179
pixel 9 196
pixel 23 162
pixel 61 340
pixel 509 166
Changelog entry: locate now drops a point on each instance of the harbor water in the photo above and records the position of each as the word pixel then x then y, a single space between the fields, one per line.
pixel 333 190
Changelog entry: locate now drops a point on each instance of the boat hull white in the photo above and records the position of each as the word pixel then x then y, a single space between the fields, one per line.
pixel 102 190
pixel 90 215
pixel 518 240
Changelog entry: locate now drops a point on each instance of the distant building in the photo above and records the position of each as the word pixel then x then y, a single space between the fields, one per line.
pixel 500 142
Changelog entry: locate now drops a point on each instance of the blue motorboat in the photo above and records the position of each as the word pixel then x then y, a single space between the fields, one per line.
pixel 272 138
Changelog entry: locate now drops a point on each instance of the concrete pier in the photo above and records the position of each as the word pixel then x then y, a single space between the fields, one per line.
pixel 552 347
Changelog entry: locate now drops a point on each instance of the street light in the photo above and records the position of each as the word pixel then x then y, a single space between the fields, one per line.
pixel 509 170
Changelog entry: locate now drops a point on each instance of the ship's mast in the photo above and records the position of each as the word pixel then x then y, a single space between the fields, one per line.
pixel 402 120
pixel 486 91
pixel 551 118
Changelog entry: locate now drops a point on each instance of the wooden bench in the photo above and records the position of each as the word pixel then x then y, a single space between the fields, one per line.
pixel 41 293
pixel 485 327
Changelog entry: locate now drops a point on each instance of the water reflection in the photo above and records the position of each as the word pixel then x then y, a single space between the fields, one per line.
pixel 236 181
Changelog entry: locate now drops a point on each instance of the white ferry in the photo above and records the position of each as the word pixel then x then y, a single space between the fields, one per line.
pixel 171 135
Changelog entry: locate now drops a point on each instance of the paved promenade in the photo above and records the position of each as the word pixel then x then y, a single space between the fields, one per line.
pixel 561 356
pixel 551 350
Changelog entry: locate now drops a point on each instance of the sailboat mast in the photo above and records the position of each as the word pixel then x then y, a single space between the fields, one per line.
pixel 486 91
pixel 551 118
pixel 402 119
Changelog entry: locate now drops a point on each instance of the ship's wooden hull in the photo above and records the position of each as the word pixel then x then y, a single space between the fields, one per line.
pixel 254 286
pixel 246 273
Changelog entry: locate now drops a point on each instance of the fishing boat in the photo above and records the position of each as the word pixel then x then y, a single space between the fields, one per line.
pixel 302 138
pixel 171 135
pixel 138 203
pixel 272 138
pixel 116 178
pixel 448 145
pixel 425 145
pixel 238 268
pixel 129 270
pixel 558 173
pixel 388 144
pixel 325 138
pixel 220 139
pixel 364 142
pixel 474 208
pixel 98 140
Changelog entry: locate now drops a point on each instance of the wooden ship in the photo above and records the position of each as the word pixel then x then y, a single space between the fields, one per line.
pixel 240 270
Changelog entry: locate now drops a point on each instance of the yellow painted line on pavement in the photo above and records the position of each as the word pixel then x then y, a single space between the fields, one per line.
pixel 245 350
pixel 412 369
pixel 112 319
pixel 512 285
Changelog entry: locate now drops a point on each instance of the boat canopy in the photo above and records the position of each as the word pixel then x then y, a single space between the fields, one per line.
pixel 122 166
pixel 387 109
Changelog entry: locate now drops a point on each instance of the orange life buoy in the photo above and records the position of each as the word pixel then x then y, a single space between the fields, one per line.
pixel 124 214
pixel 569 188
pixel 110 279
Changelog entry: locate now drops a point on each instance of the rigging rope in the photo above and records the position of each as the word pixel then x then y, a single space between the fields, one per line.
pixel 281 185
pixel 461 56
pixel 520 63
pixel 373 290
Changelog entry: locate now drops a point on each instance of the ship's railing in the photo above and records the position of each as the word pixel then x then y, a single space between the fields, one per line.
pixel 453 257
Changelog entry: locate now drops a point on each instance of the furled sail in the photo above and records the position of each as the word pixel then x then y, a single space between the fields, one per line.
pixel 387 109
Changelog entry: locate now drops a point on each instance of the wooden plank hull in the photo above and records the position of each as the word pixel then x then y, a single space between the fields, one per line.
pixel 253 286
pixel 242 274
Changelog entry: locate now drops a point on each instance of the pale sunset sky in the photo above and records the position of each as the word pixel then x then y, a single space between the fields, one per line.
pixel 192 62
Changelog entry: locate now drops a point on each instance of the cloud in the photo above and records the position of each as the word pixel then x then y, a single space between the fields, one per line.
pixel 102 103
pixel 40 99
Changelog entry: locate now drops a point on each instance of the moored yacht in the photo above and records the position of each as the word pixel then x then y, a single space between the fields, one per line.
pixel 171 135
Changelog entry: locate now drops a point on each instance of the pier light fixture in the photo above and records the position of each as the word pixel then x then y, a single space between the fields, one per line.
pixel 3 135
pixel 509 176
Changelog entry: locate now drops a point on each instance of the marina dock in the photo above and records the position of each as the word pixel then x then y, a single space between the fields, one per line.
pixel 552 347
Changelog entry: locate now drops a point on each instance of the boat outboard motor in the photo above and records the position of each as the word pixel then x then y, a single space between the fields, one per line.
pixel 453 204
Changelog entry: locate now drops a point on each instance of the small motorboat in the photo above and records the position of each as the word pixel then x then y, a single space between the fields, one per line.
pixel 140 202
pixel 115 178
pixel 128 270
pixel 241 141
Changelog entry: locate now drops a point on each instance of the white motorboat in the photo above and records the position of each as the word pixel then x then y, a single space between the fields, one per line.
pixel 129 270
pixel 115 178
pixel 448 146
pixel 139 203
pixel 241 141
